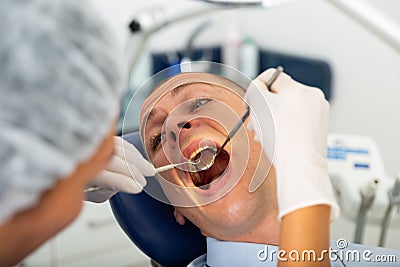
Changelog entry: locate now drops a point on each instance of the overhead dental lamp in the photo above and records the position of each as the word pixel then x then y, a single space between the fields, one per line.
pixel 367 16
pixel 147 23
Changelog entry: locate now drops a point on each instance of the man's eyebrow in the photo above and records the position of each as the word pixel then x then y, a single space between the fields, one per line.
pixel 174 92
pixel 177 90
pixel 150 115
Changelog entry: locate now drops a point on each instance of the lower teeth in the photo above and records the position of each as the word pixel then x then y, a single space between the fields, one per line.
pixel 195 177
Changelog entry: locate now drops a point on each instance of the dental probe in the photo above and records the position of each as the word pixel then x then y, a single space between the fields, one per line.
pixel 91 189
pixel 158 170
pixel 211 158
pixel 276 74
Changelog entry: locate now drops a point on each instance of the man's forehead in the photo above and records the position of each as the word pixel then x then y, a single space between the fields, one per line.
pixel 178 82
pixel 177 92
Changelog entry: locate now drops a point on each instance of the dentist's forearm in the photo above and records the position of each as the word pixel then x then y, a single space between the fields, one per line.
pixel 29 229
pixel 306 231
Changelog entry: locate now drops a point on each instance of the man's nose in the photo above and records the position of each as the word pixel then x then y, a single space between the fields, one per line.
pixel 174 131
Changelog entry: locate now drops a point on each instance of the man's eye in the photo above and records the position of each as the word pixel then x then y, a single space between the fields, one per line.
pixel 156 140
pixel 199 103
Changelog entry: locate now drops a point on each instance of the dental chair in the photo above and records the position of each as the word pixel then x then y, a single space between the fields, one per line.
pixel 151 225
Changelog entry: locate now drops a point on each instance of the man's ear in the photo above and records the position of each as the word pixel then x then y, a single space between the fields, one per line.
pixel 179 217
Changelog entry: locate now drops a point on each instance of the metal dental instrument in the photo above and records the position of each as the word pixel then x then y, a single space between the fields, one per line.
pixel 394 200
pixel 173 165
pixel 211 158
pixel 275 76
pixel 91 189
pixel 203 163
pixel 160 169
pixel 367 193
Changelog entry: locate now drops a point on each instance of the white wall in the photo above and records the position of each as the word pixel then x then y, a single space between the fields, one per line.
pixel 366 71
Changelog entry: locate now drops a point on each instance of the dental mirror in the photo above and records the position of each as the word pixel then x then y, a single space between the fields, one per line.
pixel 202 160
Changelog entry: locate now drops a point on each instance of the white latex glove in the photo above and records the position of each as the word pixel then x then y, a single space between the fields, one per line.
pixel 300 117
pixel 118 177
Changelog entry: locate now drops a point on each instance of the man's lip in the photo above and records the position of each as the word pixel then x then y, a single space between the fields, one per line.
pixel 193 146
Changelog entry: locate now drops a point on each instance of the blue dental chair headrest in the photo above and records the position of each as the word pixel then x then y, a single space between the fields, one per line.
pixel 151 225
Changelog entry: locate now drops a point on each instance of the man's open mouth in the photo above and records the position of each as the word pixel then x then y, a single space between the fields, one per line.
pixel 203 179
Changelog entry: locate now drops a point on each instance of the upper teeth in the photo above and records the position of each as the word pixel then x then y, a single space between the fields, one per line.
pixel 197 151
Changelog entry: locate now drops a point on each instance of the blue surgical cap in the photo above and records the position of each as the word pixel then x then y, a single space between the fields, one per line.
pixel 61 80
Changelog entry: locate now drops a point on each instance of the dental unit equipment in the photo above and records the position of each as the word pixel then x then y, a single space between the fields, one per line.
pixel 352 162
pixel 367 193
pixel 394 200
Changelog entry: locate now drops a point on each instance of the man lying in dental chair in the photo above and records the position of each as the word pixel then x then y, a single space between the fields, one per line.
pixel 267 199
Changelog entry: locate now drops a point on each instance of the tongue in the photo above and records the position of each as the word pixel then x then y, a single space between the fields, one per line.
pixel 205 177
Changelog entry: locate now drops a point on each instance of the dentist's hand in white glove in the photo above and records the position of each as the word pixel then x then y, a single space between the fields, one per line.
pixel 300 119
pixel 118 177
